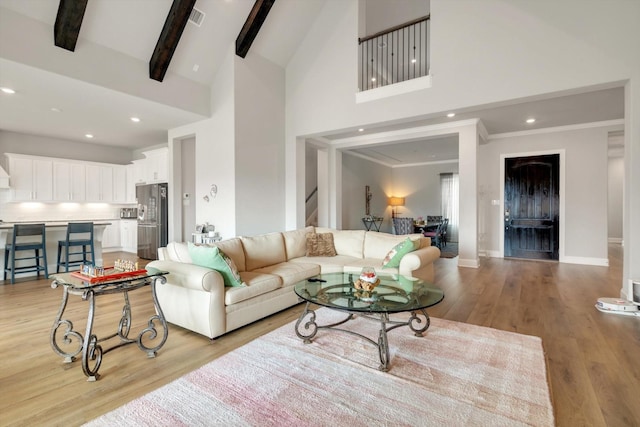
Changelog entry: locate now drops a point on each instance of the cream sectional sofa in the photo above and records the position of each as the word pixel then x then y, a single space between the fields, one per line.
pixel 270 265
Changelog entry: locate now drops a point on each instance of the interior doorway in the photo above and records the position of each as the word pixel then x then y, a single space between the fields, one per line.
pixel 532 206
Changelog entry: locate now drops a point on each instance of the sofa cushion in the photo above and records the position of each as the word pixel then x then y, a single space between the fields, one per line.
pixel 295 242
pixel 257 284
pixel 215 259
pixel 346 242
pixel 377 245
pixel 233 248
pixel 263 250
pixel 291 272
pixel 320 244
pixel 179 252
pixel 392 259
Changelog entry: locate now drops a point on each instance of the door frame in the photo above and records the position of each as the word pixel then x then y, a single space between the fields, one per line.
pixel 561 189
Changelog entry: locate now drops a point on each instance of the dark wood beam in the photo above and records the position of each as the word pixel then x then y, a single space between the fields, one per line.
pixel 68 22
pixel 177 19
pixel 252 25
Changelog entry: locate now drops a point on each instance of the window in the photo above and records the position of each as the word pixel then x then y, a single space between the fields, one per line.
pixel 449 190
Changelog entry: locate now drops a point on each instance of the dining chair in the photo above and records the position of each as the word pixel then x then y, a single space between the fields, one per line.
pixel 26 237
pixel 436 235
pixel 403 225
pixel 80 236
pixel 443 234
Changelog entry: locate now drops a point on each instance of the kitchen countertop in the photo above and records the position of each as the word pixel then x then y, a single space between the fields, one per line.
pixel 9 225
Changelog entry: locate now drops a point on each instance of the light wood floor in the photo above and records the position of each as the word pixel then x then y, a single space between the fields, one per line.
pixel 593 358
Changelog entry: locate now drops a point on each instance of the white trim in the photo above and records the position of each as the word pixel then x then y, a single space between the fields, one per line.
pixel 615 240
pixel 470 263
pixel 404 135
pixel 603 262
pixel 606 123
pixel 561 189
pixel 380 162
pixel 492 254
pixel 406 86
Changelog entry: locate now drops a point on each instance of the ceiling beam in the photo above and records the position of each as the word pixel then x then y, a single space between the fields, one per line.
pixel 252 25
pixel 177 19
pixel 68 22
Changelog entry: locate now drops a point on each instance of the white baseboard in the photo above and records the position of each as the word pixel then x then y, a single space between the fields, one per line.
pixel 471 263
pixel 492 254
pixel 603 262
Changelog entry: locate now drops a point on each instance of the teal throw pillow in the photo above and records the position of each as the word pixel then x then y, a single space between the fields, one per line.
pixel 392 260
pixel 214 258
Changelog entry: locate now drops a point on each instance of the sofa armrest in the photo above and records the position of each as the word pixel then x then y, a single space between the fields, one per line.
pixel 420 263
pixel 190 276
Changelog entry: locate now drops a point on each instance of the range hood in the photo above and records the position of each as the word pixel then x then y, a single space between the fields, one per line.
pixel 4 178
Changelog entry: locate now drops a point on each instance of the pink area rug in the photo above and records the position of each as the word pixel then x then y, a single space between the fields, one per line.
pixel 456 375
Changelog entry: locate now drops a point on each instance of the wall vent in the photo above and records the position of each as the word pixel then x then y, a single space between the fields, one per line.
pixel 196 17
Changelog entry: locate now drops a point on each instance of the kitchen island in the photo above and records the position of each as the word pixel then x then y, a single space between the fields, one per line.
pixel 54 231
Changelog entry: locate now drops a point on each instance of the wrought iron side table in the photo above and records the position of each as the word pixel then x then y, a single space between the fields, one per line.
pixel 72 342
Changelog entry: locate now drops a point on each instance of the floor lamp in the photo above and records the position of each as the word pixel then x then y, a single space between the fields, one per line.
pixel 394 202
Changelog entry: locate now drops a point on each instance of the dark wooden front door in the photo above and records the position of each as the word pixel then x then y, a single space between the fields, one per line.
pixel 531 206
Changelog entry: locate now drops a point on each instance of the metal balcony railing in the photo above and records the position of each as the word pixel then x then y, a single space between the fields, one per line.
pixel 394 55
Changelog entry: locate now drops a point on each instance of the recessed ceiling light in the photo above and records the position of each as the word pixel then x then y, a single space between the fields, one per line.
pixel 88 135
pixel 196 67
pixel 414 60
pixel 532 120
pixel 7 90
pixel 451 115
pixel 373 79
pixel 361 130
pixel 56 110
pixel 135 119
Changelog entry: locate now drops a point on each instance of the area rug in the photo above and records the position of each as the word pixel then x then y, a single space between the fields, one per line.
pixel 455 375
pixel 450 250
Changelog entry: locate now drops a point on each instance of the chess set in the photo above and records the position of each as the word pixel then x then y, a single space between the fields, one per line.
pixel 121 268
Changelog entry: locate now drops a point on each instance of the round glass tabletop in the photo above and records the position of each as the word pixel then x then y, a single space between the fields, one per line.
pixel 394 294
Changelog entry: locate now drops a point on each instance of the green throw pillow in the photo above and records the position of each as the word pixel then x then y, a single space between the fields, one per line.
pixel 214 258
pixel 401 249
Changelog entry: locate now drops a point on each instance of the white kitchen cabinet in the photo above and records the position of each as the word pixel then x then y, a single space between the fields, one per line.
pixel 99 183
pixel 111 237
pixel 69 182
pixel 31 179
pixel 129 235
pixel 156 166
pixel 132 179
pixel 119 184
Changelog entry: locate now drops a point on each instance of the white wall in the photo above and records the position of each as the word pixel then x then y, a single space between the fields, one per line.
pixel 615 199
pixel 383 14
pixel 356 174
pixel 35 145
pixel 420 185
pixel 259 145
pixel 585 191
pixel 188 186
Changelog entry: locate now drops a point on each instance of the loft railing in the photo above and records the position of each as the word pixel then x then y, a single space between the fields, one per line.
pixel 394 55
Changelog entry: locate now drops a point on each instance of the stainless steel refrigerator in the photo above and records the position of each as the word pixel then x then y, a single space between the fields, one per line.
pixel 153 224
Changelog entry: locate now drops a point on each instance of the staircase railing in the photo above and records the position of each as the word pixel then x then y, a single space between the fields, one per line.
pixel 311 208
pixel 394 55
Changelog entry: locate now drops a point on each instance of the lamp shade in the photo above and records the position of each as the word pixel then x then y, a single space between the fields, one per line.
pixel 396 201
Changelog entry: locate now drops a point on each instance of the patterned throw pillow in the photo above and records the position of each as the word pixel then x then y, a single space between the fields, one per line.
pixel 394 256
pixel 320 244
pixel 214 258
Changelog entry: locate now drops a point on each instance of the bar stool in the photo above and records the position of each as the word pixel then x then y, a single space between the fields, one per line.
pixel 23 240
pixel 66 246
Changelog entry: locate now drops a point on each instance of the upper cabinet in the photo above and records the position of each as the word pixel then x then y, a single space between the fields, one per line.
pixel 120 184
pixel 69 181
pixel 99 183
pixel 31 178
pixel 154 168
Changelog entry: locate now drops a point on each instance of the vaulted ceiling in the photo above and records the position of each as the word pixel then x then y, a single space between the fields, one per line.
pixel 52 101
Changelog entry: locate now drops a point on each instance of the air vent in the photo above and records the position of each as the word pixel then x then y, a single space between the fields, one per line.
pixel 196 17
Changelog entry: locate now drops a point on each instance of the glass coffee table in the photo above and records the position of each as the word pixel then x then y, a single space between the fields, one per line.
pixel 68 343
pixel 394 294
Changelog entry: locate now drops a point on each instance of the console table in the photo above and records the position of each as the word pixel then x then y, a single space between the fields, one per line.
pixel 372 222
pixel 72 342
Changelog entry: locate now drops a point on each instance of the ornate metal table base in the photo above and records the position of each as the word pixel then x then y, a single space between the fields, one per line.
pixel 89 345
pixel 311 328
